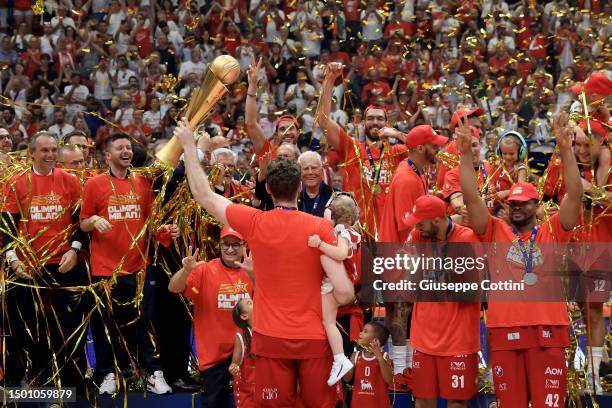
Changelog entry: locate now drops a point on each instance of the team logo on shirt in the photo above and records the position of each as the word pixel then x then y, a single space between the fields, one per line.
pixel 269 393
pixel 46 207
pixel 383 178
pixel 366 387
pixel 124 207
pixel 516 256
pixel 499 372
pixel 550 383
pixel 457 365
pixel 231 293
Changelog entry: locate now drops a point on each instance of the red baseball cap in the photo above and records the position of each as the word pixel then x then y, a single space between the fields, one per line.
pixel 426 207
pixel 228 231
pixel 424 134
pixel 596 127
pixel 460 113
pixel 523 192
pixel 596 84
pixel 475 132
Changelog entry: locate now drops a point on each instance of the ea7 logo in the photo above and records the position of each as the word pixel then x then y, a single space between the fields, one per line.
pixel 457 365
pixel 553 371
pixel 416 364
pixel 269 393
pixel 502 387
pixel 552 383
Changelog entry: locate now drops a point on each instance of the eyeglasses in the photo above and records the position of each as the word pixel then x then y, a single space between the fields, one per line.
pixel 235 246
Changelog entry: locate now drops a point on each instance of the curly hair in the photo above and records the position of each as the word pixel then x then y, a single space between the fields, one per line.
pixel 344 209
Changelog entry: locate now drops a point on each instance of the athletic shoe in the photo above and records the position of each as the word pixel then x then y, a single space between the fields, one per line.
pixel 589 384
pixel 109 385
pixel 339 369
pixel 400 382
pixel 157 384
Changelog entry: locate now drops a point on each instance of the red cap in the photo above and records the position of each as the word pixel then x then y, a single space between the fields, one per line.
pixel 523 192
pixel 460 113
pixel 596 127
pixel 424 134
pixel 475 132
pixel 596 84
pixel 426 207
pixel 228 231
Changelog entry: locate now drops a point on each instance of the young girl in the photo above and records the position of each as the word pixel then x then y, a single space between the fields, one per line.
pixel 243 360
pixel 512 149
pixel 373 369
pixel 344 213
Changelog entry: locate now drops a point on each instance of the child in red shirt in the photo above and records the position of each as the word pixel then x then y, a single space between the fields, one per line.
pixel 512 150
pixel 243 359
pixel 373 369
pixel 344 214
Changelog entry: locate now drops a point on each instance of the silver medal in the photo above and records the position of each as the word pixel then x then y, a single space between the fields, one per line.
pixel 530 279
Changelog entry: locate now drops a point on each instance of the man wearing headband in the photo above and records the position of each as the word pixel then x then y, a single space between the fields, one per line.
pixel 367 167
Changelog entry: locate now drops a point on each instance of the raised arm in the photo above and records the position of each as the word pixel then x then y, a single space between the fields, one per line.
pixel 331 128
pixel 251 116
pixel 570 206
pixel 476 208
pixel 213 203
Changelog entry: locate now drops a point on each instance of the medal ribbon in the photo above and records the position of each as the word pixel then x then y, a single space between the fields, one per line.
pixel 378 167
pixel 421 175
pixel 527 257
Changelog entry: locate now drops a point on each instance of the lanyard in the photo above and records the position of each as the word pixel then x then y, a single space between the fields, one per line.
pixel 418 172
pixel 483 173
pixel 380 160
pixel 444 247
pixel 282 207
pixel 316 201
pixel 527 257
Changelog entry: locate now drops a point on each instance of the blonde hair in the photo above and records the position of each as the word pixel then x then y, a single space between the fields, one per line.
pixel 344 209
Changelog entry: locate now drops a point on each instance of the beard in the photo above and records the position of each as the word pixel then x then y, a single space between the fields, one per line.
pixel 372 133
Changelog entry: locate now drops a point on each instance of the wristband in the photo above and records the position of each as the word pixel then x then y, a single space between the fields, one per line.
pixel 252 95
pixel 11 256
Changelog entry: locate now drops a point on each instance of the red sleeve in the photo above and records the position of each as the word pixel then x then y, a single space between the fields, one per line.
pixel 555 228
pixel 88 206
pixel 11 205
pixel 399 152
pixel 492 229
pixel 193 285
pixel 345 146
pixel 77 191
pixel 551 187
pixel 265 149
pixel 451 184
pixel 242 219
pixel 326 233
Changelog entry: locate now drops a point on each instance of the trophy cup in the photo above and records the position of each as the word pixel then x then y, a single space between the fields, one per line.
pixel 223 71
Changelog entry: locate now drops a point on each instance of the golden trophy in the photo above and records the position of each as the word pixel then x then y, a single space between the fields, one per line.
pixel 223 71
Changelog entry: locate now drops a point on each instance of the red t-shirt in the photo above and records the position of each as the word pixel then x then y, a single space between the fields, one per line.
pixel 403 28
pixel 215 289
pixel 358 175
pixel 457 323
pixel 452 183
pixel 142 38
pixel 375 90
pixel 405 188
pixel 507 263
pixel 126 204
pixel 288 272
pixel 370 389
pixel 46 205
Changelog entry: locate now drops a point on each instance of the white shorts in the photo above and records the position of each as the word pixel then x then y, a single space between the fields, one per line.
pixel 326 286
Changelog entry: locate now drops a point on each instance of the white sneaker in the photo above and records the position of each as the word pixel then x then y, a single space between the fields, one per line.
pixel 157 384
pixel 589 384
pixel 339 369
pixel 108 386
